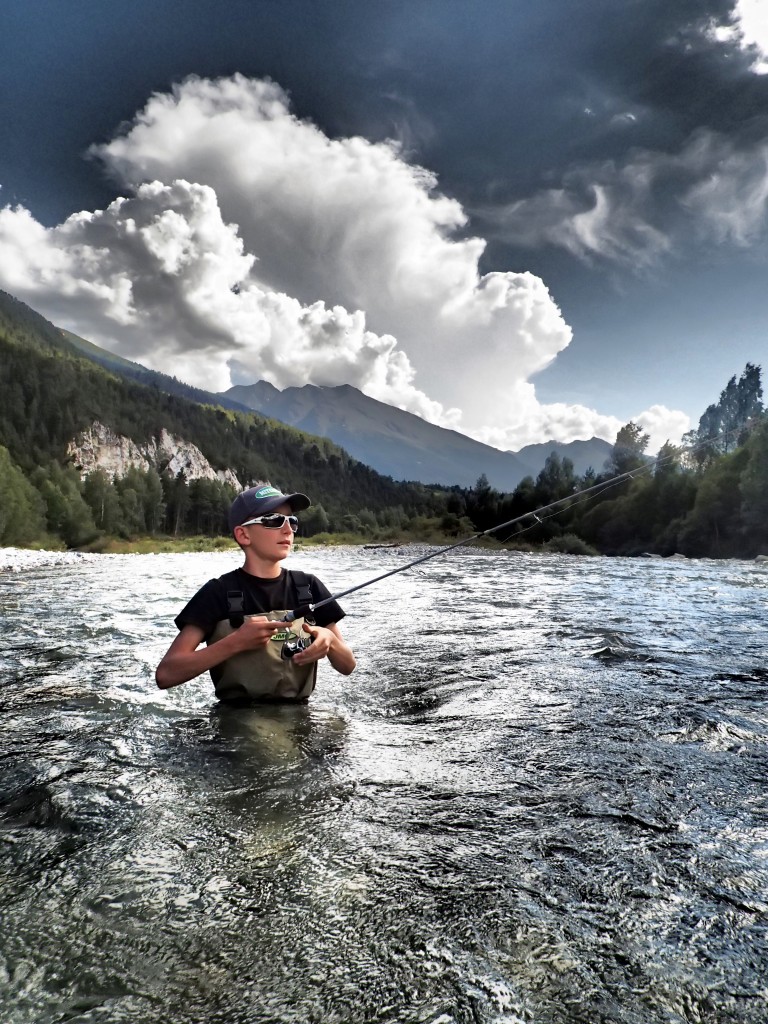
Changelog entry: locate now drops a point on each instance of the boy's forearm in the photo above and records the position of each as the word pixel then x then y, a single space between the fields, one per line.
pixel 179 667
pixel 341 657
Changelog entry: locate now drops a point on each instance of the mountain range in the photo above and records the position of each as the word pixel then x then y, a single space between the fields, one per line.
pixel 391 441
pixel 404 446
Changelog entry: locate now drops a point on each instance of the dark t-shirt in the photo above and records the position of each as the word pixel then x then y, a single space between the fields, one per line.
pixel 210 604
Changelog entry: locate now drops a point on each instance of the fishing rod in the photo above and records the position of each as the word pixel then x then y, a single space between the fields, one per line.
pixel 568 501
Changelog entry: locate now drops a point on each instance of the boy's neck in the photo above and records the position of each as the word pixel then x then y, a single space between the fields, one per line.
pixel 264 568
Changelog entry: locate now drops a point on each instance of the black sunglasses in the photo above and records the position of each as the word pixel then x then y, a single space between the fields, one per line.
pixel 273 521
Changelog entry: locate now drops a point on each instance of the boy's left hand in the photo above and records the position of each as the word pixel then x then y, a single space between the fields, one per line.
pixel 322 639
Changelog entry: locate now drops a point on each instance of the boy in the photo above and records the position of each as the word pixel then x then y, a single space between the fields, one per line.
pixel 250 651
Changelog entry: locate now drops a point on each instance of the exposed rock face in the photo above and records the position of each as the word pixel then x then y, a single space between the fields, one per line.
pixel 99 447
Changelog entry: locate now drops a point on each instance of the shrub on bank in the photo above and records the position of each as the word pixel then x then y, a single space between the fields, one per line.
pixel 569 544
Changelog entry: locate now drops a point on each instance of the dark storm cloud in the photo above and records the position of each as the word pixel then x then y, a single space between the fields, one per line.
pixel 518 92
pixel 623 131
pixel 492 95
pixel 607 130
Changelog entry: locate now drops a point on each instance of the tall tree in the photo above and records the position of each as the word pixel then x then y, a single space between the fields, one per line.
pixel 22 513
pixel 754 492
pixel 628 450
pixel 556 480
pixel 668 461
pixel 103 500
pixel 67 514
pixel 749 401
pixel 725 425
pixel 713 526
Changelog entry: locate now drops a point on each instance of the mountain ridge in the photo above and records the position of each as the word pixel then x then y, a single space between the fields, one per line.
pixel 391 441
pixel 51 392
pixel 401 444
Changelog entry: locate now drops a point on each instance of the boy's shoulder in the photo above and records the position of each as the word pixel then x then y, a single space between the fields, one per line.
pixel 221 584
pixel 237 579
pixel 227 579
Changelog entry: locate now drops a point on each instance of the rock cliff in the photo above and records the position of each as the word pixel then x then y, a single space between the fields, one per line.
pixel 99 447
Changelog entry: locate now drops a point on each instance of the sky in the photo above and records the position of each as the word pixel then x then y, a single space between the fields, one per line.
pixel 524 221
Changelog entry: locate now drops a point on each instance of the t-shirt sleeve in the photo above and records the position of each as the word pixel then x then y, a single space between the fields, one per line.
pixel 204 610
pixel 332 612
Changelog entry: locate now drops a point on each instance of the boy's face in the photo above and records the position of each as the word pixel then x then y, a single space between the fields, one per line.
pixel 269 544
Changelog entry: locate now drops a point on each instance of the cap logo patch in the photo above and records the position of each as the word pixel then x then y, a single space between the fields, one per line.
pixel 266 492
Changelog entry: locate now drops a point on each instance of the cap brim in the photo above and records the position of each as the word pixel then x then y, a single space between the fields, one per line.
pixel 298 502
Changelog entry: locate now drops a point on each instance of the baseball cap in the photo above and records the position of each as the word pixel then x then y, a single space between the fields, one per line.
pixel 259 500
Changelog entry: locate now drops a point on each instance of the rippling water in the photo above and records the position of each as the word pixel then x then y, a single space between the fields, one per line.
pixel 541 798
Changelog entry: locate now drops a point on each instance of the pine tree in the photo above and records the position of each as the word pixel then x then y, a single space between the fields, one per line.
pixel 22 512
pixel 628 450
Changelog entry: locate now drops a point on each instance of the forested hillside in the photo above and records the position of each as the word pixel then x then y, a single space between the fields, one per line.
pixel 707 499
pixel 49 392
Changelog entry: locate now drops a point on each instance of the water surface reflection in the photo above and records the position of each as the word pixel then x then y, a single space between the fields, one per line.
pixel 540 798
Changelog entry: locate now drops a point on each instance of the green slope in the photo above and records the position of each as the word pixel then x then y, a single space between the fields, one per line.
pixel 52 387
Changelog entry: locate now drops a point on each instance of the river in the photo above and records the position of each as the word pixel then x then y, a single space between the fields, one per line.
pixel 540 799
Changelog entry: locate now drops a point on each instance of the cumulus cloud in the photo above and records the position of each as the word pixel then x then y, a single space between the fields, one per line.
pixel 639 211
pixel 557 421
pixel 160 278
pixel 749 28
pixel 250 245
pixel 662 425
pixel 352 223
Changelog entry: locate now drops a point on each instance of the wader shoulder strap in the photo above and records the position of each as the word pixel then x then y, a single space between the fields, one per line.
pixel 236 598
pixel 304 594
pixel 235 612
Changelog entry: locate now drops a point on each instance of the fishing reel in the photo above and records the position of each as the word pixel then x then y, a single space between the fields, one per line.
pixel 291 647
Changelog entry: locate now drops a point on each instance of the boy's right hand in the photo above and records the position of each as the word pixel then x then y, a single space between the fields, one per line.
pixel 256 631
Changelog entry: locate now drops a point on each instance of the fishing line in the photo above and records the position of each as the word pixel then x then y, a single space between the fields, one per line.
pixel 538 514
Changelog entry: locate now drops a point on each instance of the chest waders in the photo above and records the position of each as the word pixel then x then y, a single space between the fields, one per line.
pixel 263 674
